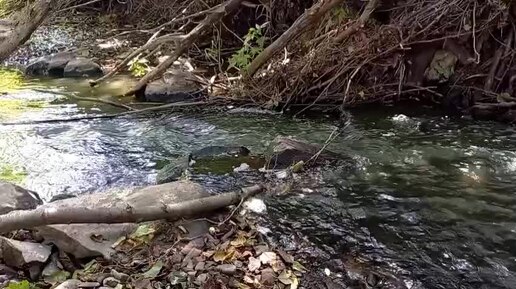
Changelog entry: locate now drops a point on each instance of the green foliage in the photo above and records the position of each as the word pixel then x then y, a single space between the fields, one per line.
pixel 21 285
pixel 254 43
pixel 342 13
pixel 9 174
pixel 10 79
pixel 139 66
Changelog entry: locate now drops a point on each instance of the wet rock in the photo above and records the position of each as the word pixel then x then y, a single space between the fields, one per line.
pixel 228 269
pixel 173 170
pixel 175 86
pixel 17 253
pixel 61 197
pixel 217 151
pixel 76 239
pixel 13 197
pixel 69 284
pixel 82 67
pixel 50 65
pixel 286 152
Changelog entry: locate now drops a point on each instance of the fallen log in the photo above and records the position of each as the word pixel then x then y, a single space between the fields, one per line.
pixel 79 215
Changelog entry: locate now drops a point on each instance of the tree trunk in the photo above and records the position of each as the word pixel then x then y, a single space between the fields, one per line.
pixel 25 22
pixel 311 17
pixel 79 215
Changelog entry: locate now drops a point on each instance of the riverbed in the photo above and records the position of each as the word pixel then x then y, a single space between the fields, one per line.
pixel 431 199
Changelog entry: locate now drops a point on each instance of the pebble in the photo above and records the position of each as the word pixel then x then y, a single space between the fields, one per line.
pixel 199 266
pixel 228 269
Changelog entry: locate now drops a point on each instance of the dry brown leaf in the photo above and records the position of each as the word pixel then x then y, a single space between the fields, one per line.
pixel 254 264
pixel 268 257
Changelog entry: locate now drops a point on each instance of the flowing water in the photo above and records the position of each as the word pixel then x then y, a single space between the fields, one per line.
pixel 432 199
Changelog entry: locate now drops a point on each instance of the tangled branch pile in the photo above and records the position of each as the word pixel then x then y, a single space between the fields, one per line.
pixel 440 50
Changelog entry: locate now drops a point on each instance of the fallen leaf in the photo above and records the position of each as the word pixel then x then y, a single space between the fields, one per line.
pixel 143 234
pixel 219 256
pixel 267 257
pixel 284 277
pixel 254 264
pixel 298 267
pixel 239 241
pixel 154 270
pixel 294 282
pixel 277 265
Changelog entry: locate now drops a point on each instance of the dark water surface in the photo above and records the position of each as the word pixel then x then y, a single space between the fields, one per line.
pixel 433 199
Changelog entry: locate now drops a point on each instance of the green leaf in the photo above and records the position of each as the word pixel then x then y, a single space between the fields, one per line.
pixel 19 285
pixel 154 270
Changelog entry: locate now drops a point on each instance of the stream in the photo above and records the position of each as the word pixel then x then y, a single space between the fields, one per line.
pixel 432 199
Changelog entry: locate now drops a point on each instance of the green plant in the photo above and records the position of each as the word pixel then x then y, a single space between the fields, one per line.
pixel 254 43
pixel 21 285
pixel 139 66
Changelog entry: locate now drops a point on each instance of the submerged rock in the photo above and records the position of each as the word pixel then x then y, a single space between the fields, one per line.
pixel 13 197
pixel 216 151
pixel 82 67
pixel 286 152
pixel 90 240
pixel 175 86
pixel 173 170
pixel 17 253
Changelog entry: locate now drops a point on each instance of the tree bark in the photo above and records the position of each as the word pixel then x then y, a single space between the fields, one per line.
pixel 311 17
pixel 24 24
pixel 79 215
pixel 184 44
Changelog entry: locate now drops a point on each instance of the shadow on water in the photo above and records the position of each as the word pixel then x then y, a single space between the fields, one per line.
pixel 432 198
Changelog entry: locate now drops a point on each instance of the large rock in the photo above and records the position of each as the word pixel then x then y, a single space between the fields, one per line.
pixel 175 86
pixel 63 64
pixel 18 254
pixel 89 240
pixel 82 67
pixel 13 197
pixel 286 152
pixel 50 65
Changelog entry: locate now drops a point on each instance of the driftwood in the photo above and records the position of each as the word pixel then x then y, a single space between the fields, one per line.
pixel 311 17
pixel 184 43
pixel 79 215
pixel 25 22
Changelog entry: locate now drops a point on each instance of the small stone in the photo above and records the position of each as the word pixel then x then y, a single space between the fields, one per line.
pixel 201 279
pixel 238 264
pixel 176 258
pixel 200 266
pixel 194 252
pixel 89 284
pixel 69 284
pixel 110 282
pixel 197 243
pixel 228 269
pixel 260 249
pixel 242 168
pixel 191 274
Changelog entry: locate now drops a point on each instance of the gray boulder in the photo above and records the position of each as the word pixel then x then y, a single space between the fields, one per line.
pixel 18 254
pixel 63 64
pixel 90 240
pixel 286 152
pixel 82 67
pixel 13 197
pixel 50 65
pixel 175 86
